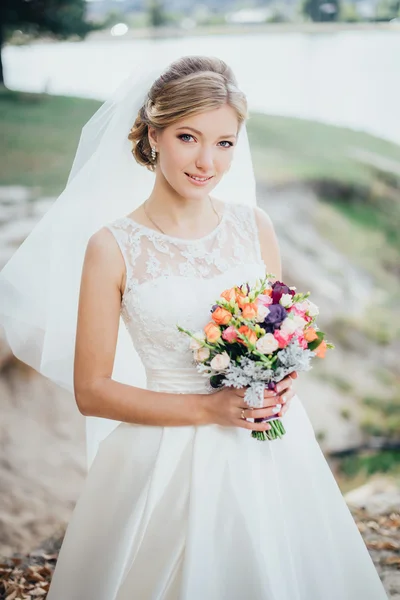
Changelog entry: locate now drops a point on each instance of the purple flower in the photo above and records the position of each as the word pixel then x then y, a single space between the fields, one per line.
pixel 278 289
pixel 273 320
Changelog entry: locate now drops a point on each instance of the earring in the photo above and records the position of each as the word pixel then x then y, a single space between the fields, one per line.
pixel 153 153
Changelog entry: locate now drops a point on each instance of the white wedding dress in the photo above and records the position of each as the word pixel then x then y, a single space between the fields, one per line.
pixel 207 512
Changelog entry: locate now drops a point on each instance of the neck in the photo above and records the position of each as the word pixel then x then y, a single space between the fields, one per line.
pixel 173 211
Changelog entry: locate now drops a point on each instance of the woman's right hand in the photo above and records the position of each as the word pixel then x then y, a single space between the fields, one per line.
pixel 224 407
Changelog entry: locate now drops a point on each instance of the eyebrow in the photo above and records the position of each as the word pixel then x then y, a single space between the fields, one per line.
pixel 199 132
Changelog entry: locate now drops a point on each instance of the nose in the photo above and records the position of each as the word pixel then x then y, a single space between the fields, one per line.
pixel 205 159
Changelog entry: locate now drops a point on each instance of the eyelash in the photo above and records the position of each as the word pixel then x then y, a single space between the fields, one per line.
pixel 190 135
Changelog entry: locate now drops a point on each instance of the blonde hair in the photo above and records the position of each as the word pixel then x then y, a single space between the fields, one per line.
pixel 190 85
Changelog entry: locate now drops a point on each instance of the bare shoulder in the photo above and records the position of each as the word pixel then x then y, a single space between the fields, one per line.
pixel 263 219
pixel 269 245
pixel 101 240
pixel 103 253
pixel 102 243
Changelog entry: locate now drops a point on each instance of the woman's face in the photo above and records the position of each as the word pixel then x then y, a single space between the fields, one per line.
pixel 201 146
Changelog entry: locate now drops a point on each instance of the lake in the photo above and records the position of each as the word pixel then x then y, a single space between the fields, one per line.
pixel 349 78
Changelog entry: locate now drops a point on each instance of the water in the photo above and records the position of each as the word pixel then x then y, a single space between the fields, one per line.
pixel 349 78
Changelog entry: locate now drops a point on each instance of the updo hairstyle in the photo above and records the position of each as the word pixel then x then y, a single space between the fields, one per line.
pixel 190 85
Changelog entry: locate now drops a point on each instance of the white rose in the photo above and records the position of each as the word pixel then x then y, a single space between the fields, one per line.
pixel 262 312
pixel 201 354
pixel 195 344
pixel 267 344
pixel 220 361
pixel 286 300
pixel 302 305
pixel 313 309
pixel 289 325
pixel 299 322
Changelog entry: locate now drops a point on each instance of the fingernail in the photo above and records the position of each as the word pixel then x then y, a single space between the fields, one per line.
pixel 283 399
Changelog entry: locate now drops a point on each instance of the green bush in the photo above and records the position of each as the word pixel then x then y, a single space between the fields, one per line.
pixel 369 463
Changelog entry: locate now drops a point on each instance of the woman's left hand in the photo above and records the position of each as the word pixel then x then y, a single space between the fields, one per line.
pixel 285 393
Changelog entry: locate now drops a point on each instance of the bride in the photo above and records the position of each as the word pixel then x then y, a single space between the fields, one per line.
pixel 180 502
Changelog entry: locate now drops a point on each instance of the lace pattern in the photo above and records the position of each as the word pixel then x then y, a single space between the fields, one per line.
pixel 172 281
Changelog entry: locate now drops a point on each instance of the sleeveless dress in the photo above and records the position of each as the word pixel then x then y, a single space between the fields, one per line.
pixel 205 512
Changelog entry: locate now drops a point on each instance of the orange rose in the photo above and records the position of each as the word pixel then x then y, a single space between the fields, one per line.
pixel 267 292
pixel 252 336
pixel 249 311
pixel 221 316
pixel 241 300
pixel 229 295
pixel 321 349
pixel 310 334
pixel 212 331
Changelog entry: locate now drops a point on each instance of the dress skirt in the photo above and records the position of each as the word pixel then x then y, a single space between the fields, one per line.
pixel 209 513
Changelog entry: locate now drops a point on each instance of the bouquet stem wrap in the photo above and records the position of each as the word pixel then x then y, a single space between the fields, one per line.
pixel 277 428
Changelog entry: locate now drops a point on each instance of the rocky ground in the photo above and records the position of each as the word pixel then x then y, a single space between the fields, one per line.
pixel 28 576
pixel 375 507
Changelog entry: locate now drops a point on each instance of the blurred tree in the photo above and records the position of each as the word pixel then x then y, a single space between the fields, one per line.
pixel 348 13
pixel 387 9
pixel 321 10
pixel 157 15
pixel 60 18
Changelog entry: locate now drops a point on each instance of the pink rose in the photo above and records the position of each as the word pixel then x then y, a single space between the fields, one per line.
pixel 302 341
pixel 282 337
pixel 297 310
pixel 264 300
pixel 230 334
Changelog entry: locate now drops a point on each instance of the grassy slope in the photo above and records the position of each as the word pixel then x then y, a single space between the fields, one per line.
pixel 39 136
pixel 286 148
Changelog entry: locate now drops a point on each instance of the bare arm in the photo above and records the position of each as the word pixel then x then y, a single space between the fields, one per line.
pixel 96 393
pixel 272 258
pixel 269 243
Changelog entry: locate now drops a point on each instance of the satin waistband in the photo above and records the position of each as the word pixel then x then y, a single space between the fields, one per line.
pixel 180 380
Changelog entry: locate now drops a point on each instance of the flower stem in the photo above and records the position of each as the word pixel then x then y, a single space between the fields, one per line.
pixel 277 430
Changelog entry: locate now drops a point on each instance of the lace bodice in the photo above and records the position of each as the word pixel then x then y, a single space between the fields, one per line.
pixel 172 281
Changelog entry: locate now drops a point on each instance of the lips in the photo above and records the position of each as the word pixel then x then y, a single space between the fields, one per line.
pixel 201 177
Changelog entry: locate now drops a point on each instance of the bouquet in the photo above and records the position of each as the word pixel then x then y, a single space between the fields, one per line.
pixel 256 337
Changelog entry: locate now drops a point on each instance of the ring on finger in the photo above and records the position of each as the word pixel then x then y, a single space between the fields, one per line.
pixel 242 416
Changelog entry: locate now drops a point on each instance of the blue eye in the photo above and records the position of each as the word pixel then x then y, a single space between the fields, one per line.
pixel 182 135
